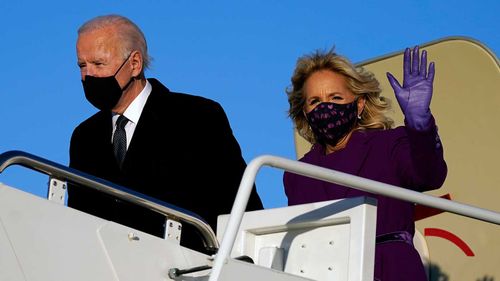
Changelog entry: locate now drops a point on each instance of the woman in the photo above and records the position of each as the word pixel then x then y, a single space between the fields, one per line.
pixel 338 108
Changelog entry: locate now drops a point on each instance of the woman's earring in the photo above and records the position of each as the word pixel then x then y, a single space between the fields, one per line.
pixel 359 117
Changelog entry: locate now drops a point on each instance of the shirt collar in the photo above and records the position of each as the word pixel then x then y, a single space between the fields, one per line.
pixel 134 110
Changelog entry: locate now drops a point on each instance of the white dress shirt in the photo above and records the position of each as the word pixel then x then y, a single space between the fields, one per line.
pixel 133 113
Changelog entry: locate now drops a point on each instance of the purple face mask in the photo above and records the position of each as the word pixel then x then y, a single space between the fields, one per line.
pixel 330 122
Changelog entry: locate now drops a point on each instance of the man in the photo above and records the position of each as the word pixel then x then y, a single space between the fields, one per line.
pixel 175 147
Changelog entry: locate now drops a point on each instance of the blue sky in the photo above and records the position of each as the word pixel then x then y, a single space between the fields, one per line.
pixel 238 53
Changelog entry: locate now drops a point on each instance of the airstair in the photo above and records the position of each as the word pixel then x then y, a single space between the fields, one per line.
pixel 42 239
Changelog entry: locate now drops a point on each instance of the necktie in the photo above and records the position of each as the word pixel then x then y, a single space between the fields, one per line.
pixel 120 139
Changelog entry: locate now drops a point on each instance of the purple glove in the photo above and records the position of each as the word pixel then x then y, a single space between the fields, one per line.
pixel 415 96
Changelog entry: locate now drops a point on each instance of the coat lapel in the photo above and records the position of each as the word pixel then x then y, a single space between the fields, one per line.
pixel 349 160
pixel 104 149
pixel 144 135
pixel 358 150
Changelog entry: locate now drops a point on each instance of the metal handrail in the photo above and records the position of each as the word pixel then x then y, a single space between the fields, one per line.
pixel 332 176
pixel 68 174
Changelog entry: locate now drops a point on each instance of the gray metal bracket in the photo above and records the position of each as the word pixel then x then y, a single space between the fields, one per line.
pixel 173 231
pixel 57 190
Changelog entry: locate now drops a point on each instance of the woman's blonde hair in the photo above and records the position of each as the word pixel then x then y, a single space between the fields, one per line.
pixel 360 82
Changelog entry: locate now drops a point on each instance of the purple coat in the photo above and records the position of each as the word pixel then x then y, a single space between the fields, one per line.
pixel 401 157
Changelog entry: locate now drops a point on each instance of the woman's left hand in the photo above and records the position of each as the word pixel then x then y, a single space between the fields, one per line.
pixel 414 97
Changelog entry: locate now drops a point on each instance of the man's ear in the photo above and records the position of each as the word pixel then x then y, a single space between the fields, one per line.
pixel 136 61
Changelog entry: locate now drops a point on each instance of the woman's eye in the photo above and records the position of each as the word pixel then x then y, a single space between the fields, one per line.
pixel 313 102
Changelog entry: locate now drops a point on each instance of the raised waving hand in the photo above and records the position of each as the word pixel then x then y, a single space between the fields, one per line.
pixel 414 97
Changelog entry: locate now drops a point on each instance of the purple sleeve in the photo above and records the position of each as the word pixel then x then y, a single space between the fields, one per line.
pixel 418 156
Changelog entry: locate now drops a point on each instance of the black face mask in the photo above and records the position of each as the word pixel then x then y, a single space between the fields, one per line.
pixel 104 92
